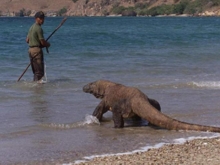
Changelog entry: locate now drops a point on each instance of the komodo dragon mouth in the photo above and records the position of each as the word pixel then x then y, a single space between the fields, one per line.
pixel 97 95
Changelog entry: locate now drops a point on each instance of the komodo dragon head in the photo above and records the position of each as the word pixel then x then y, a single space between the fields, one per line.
pixel 98 88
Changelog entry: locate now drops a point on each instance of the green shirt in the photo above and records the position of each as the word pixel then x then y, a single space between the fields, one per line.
pixel 35 34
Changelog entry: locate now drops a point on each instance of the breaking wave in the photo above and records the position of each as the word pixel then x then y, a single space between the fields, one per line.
pixel 192 84
pixel 207 84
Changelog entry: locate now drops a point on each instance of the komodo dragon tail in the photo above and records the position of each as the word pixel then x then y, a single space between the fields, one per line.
pixel 157 118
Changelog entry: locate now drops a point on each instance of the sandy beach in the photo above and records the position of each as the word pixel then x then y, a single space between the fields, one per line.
pixel 194 152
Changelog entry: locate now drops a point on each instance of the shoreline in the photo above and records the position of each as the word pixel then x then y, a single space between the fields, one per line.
pixel 147 16
pixel 196 151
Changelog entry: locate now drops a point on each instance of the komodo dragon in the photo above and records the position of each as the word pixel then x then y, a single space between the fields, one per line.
pixel 125 102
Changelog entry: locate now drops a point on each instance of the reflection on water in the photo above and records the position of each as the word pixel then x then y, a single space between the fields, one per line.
pixel 40 107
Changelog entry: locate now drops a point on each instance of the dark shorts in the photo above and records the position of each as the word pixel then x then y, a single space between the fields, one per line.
pixel 37 62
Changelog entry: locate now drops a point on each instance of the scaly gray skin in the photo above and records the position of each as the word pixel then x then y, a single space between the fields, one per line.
pixel 126 102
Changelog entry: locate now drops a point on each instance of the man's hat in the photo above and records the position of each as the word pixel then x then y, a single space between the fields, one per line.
pixel 39 14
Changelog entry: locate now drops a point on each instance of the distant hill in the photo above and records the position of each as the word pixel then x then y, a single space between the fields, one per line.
pixel 110 7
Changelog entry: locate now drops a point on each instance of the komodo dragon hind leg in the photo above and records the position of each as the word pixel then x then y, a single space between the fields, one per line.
pixel 117 114
pixel 155 104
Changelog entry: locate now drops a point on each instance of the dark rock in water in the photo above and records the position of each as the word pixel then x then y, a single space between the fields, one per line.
pixel 129 13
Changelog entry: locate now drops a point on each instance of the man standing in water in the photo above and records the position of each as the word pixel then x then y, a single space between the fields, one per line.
pixel 36 41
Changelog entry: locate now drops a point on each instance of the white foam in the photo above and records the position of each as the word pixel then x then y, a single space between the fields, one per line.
pixel 143 149
pixel 89 119
pixel 207 84
pixel 41 81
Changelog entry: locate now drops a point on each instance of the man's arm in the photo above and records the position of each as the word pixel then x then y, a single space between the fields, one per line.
pixel 44 43
pixel 27 39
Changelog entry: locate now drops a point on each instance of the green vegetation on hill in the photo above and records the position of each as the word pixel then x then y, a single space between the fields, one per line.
pixel 180 7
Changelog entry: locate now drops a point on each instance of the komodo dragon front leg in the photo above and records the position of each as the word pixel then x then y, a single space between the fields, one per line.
pixel 100 110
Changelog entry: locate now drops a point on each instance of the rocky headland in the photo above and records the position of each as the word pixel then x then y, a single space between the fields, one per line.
pixel 111 7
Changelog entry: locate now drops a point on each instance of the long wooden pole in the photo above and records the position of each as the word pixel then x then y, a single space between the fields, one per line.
pixel 47 50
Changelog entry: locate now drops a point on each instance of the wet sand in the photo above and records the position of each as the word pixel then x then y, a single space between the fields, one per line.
pixel 196 152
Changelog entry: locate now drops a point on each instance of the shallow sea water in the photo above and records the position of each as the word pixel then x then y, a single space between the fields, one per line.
pixel 173 60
